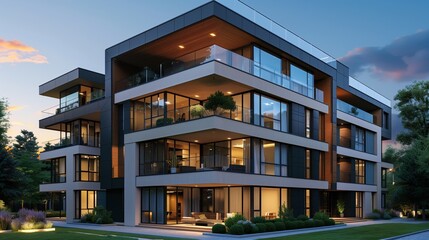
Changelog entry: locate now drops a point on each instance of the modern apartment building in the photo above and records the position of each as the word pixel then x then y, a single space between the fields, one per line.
pixel 139 142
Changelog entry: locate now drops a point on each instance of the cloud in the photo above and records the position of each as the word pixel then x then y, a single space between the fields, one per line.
pixel 404 59
pixel 16 52
pixel 14 108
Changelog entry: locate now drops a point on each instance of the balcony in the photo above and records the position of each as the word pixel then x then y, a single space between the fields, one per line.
pixel 84 140
pixel 77 100
pixel 354 111
pixel 219 54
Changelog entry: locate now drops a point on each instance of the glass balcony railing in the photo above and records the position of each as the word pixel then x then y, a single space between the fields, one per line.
pixel 73 103
pixel 185 114
pixel 354 111
pixel 86 140
pixel 219 54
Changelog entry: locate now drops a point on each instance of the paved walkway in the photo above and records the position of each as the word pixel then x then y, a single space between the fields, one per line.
pixel 419 236
pixel 199 235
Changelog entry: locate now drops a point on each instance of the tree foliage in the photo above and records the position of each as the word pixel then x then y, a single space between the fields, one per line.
pixel 4 122
pixel 413 104
pixel 34 172
pixel 391 155
pixel 9 177
pixel 217 102
pixel 412 175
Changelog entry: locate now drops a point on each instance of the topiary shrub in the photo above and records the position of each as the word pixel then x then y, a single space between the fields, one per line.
pixel 233 220
pixel 270 227
pixel 218 102
pixel 302 217
pixel 258 220
pixel 5 220
pixel 218 228
pixel 236 229
pixel 280 226
pixel 329 222
pixel 247 225
pixel 309 223
pixel 318 223
pixel 261 227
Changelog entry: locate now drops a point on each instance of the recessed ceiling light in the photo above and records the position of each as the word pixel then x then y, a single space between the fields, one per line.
pixel 167 102
pixel 197 95
pixel 229 92
pixel 229 138
pixel 181 46
pixel 213 34
pixel 195 140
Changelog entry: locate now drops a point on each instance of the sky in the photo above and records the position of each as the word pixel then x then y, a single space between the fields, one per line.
pixel 385 43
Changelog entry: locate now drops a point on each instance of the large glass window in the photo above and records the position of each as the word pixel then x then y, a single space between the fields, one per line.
pixel 58 170
pixel 78 96
pixel 360 171
pixel 87 168
pixel 80 132
pixel 302 81
pixel 307 164
pixel 152 157
pixel 153 205
pixel 307 123
pixel 267 66
pixel 307 202
pixel 85 202
pixel 270 113
pixel 270 158
pixel 360 139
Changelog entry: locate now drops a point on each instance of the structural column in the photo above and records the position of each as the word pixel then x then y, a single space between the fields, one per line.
pixel 132 196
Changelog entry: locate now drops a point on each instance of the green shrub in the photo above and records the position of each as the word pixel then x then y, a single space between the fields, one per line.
pixel 255 228
pixel 290 225
pixel 321 216
pixel 309 223
pixel 373 215
pixel 391 213
pixel 233 220
pixel 329 222
pixel 87 218
pixel 377 211
pixel 39 225
pixel 270 227
pixel 2 205
pixel 164 122
pixel 387 216
pixel 279 226
pixel 218 228
pixel 299 224
pixel 247 225
pixel 318 222
pixel 236 229
pixel 284 212
pixel 217 102
pixel 302 217
pixel 261 227
pixel 258 220
pixel 100 215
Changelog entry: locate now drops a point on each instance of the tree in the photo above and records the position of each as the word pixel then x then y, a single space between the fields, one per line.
pixel 9 177
pixel 412 175
pixel 413 104
pixel 4 123
pixel 218 102
pixel 35 172
pixel 391 155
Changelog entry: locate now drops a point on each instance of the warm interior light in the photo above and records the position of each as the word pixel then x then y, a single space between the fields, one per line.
pixel 195 140
pixel 167 102
pixel 229 138
pixel 181 46
pixel 213 34
pixel 197 96
pixel 229 93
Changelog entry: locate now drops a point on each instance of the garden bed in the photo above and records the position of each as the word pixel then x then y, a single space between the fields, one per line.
pixel 36 230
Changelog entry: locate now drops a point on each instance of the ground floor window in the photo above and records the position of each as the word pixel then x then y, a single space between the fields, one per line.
pixel 359 204
pixel 153 205
pixel 85 202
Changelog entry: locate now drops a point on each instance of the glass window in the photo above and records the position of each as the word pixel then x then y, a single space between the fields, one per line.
pixel 267 66
pixel 270 113
pixel 307 164
pixel 359 171
pixel 85 201
pixel 58 170
pixel 270 202
pixel 257 109
pixel 87 168
pixel 359 139
pixel 369 142
pixel 307 202
pixel 270 158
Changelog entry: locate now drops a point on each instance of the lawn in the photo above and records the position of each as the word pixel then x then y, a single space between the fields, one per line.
pixel 376 231
pixel 76 233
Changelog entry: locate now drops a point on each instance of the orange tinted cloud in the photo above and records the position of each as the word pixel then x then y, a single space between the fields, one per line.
pixel 16 52
pixel 14 108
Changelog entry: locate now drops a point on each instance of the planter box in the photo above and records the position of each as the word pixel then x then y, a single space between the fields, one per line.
pixel 37 230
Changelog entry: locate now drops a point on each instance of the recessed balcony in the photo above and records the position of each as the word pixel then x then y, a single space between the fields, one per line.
pixel 229 58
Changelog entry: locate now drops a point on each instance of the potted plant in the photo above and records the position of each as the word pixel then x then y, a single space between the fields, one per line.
pixel 173 162
pixel 341 207
pixel 197 111
pixel 218 103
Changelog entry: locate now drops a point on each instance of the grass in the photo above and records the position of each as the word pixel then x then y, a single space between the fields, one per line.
pixel 77 233
pixel 376 231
